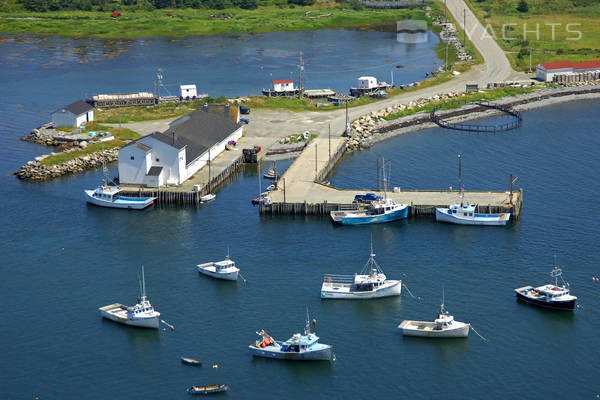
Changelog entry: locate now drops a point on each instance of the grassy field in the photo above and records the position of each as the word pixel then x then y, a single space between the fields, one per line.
pixel 191 22
pixel 122 137
pixel 545 48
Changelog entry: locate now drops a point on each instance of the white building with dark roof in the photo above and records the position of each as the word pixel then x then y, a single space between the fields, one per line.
pixel 75 114
pixel 173 156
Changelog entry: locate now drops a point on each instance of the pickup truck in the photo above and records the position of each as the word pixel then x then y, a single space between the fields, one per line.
pixel 365 198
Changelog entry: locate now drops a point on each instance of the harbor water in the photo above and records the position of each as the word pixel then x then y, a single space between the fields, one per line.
pixel 63 259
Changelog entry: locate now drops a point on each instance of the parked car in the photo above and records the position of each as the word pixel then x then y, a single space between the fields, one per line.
pixel 244 110
pixel 245 120
pixel 365 198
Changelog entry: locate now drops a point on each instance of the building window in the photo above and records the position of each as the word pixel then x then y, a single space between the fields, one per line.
pixel 157 159
pixel 132 157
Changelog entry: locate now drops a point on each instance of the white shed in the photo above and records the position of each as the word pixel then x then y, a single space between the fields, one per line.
pixel 367 82
pixel 188 91
pixel 283 85
pixel 75 114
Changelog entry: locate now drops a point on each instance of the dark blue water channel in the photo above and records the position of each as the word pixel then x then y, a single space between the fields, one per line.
pixel 62 259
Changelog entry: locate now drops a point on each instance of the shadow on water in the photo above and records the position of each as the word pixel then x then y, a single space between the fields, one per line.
pixel 443 347
pixel 300 371
pixel 139 337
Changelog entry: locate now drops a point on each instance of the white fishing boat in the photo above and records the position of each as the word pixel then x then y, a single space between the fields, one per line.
pixel 300 347
pixel 444 326
pixel 370 283
pixel 141 315
pixel 225 269
pixel 465 214
pixel 272 172
pixel 207 197
pixel 108 196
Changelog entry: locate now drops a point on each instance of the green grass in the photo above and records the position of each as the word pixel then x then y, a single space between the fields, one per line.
pixel 136 114
pixel 544 47
pixel 191 22
pixel 122 137
pixel 453 103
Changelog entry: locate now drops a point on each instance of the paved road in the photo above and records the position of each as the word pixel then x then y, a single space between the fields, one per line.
pixel 277 123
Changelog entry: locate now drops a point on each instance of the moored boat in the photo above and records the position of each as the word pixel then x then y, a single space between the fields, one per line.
pixel 141 315
pixel 207 389
pixel 462 213
pixel 370 283
pixel 225 269
pixel 263 198
pixel 552 296
pixel 444 326
pixel 300 347
pixel 207 197
pixel 108 196
pixel 191 361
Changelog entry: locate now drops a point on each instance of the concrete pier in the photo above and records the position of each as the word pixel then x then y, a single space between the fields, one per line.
pixel 299 190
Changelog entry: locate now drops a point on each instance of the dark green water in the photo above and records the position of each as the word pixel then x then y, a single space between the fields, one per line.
pixel 62 259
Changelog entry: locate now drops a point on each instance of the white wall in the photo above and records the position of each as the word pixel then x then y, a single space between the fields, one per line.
pixel 133 171
pixel 67 118
pixel 188 91
pixel 217 149
pixel 543 75
pixel 280 87
pixel 367 82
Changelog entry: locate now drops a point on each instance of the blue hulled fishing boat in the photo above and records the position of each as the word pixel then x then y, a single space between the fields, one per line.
pixel 300 347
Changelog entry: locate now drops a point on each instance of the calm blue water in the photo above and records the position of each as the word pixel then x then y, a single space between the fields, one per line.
pixel 63 259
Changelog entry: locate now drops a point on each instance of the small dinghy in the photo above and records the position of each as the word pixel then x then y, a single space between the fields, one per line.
pixel 209 389
pixel 208 197
pixel 191 361
pixel 225 269
pixel 263 198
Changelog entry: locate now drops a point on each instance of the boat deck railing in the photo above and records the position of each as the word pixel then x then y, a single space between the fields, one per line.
pixel 338 279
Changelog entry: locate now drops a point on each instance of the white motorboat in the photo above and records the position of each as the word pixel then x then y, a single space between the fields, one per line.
pixel 370 283
pixel 141 315
pixel 207 197
pixel 225 269
pixel 465 214
pixel 444 326
pixel 108 196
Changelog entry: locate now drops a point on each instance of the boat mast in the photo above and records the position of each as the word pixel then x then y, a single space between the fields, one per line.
pixel 143 285
pixel 460 186
pixel 384 178
pixel 307 328
pixel 442 305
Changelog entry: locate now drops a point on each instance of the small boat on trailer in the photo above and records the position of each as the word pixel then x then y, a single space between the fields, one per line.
pixel 550 296
pixel 465 214
pixel 444 326
pixel 141 315
pixel 369 284
pixel 209 389
pixel 191 361
pixel 225 269
pixel 300 347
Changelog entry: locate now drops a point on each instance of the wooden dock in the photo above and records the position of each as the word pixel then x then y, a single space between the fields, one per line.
pixel 300 191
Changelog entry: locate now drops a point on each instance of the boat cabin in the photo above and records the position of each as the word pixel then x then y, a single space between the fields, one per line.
pixel 299 343
pixel 443 322
pixel 141 307
pixel 106 193
pixel 221 265
pixel 381 207
pixel 368 283
pixel 462 210
pixel 551 292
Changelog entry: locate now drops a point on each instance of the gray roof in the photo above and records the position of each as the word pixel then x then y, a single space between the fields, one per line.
pixel 197 132
pixel 77 108
pixel 154 171
pixel 201 130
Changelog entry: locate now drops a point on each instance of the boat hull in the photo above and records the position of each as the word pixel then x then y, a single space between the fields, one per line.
pixel 358 218
pixel 393 289
pixel 323 354
pixel 412 328
pixel 228 276
pixel 441 215
pixel 150 323
pixel 550 305
pixel 132 203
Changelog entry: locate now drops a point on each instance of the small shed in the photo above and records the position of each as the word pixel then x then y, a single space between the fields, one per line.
pixel 283 85
pixel 188 92
pixel 75 114
pixel 367 82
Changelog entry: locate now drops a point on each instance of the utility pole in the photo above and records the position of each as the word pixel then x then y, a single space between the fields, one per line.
pixel 446 66
pixel 315 162
pixel 283 190
pixel 159 78
pixel 392 74
pixel 530 50
pixel 330 140
pixel 465 27
pixel 301 75
pixel 445 12
pixel 347 121
pixel 378 186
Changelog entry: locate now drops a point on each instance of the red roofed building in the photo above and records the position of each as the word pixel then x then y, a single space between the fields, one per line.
pixel 546 71
pixel 283 85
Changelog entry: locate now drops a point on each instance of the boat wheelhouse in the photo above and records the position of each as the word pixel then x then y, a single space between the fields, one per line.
pixel 225 269
pixel 444 326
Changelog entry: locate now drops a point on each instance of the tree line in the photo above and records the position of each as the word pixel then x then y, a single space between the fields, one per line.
pixel 115 5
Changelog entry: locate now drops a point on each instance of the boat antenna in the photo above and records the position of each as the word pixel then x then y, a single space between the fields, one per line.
pixel 460 186
pixel 143 284
pixel 228 252
pixel 442 305
pixel 384 178
pixel 307 328
pixel 556 272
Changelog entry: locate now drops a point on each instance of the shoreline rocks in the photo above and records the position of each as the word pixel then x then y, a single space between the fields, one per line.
pixel 37 172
